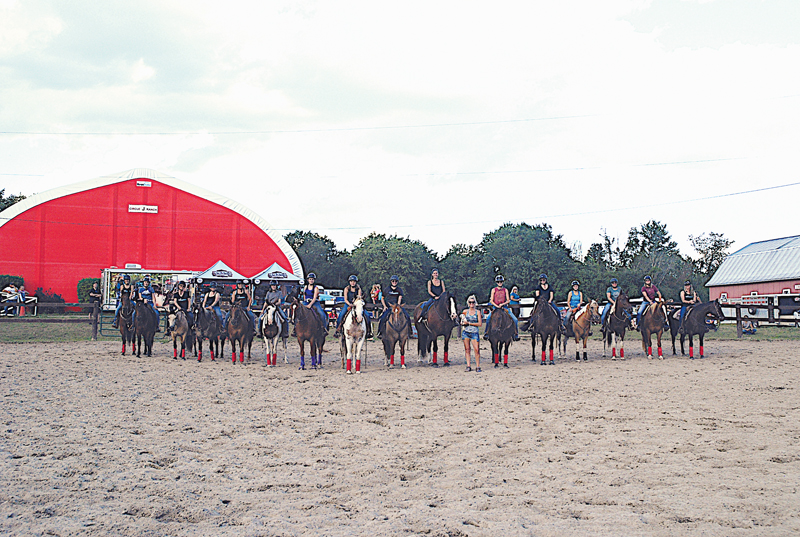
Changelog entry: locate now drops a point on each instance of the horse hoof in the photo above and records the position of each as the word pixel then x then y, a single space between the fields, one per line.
pixel 358 372
pixel 660 357
pixel 349 372
pixel 613 358
pixel 552 362
pixel 446 364
pixel 301 368
pixel 585 359
pixel 402 367
pixel 505 365
pixel 496 366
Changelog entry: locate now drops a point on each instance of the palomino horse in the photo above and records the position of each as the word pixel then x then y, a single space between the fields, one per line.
pixel 397 330
pixel 694 323
pixel 653 319
pixel 354 329
pixel 144 325
pixel 545 323
pixel 617 322
pixel 271 330
pixel 309 327
pixel 208 326
pixel 179 330
pixel 240 330
pixel 126 324
pixel 442 317
pixel 501 332
pixel 579 327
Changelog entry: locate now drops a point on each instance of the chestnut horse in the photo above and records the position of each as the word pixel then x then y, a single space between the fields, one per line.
pixel 441 319
pixel 308 327
pixel 397 330
pixel 579 327
pixel 240 330
pixel 617 322
pixel 653 319
pixel 694 324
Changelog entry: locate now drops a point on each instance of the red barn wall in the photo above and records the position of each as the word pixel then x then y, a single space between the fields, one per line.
pixel 762 288
pixel 56 243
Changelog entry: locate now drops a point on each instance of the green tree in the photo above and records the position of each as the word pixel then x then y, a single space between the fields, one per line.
pixel 377 257
pixel 318 254
pixel 460 269
pixel 713 250
pixel 8 201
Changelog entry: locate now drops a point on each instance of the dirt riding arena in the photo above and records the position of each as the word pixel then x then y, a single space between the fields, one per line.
pixel 94 443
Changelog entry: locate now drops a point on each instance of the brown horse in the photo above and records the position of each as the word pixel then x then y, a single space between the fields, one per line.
pixel 126 324
pixel 653 319
pixel 694 324
pixel 179 330
pixel 240 330
pixel 397 330
pixel 308 327
pixel 616 323
pixel 207 325
pixel 579 327
pixel 501 332
pixel 545 323
pixel 442 317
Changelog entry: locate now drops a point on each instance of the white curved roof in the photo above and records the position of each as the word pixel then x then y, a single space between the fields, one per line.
pixel 147 173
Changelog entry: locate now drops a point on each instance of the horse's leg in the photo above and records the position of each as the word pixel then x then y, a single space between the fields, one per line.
pixel 174 347
pixel 495 352
pixel 533 346
pixel 403 353
pixel 691 346
pixel 302 344
pixel 658 340
pixel 552 338
pixel 700 337
pixel 359 345
pixel 435 350
pixel 506 345
pixel 622 345
pixel 577 349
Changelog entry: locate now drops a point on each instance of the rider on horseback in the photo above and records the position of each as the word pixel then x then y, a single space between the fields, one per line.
pixel 612 294
pixel 275 297
pixel 211 300
pixel 500 298
pixel 124 288
pixel 574 301
pixel 350 293
pixel 546 293
pixel 649 294
pixel 145 292
pixel 688 298
pixel 181 300
pixel 241 296
pixel 311 299
pixel 435 289
pixel 393 295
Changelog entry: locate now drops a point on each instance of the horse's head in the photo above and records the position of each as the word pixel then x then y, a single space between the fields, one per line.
pixel 623 302
pixel 358 305
pixel 452 309
pixel 594 312
pixel 717 310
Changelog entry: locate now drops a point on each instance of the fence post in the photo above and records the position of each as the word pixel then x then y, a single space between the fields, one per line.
pixel 95 316
pixel 738 321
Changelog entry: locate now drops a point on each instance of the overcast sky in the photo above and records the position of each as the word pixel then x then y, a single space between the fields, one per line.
pixel 437 121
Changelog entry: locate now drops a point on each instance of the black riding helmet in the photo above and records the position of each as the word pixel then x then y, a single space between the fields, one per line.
pixel 576 282
pixel 311 276
pixel 613 281
pixel 499 278
pixel 352 278
pixel 273 282
pixel 543 276
pixel 394 278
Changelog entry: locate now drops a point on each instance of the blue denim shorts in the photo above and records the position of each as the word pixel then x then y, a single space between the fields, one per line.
pixel 474 336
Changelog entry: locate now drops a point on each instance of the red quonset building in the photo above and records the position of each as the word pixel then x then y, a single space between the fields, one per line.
pixel 56 238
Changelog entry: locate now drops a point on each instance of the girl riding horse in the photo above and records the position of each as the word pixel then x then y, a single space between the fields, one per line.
pixel 435 289
pixel 500 298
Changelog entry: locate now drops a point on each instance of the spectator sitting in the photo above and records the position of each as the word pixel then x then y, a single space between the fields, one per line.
pixel 10 296
pixel 749 327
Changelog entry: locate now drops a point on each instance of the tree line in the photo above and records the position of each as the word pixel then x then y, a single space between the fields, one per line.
pixel 520 252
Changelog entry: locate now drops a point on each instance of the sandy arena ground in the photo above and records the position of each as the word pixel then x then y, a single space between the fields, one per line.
pixel 94 443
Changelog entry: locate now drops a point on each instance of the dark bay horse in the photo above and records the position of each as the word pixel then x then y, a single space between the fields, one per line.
pixel 144 325
pixel 617 322
pixel 501 332
pixel 309 327
pixel 179 330
pixel 653 320
pixel 208 326
pixel 126 324
pixel 579 327
pixel 240 330
pixel 442 317
pixel 694 324
pixel 397 330
pixel 545 323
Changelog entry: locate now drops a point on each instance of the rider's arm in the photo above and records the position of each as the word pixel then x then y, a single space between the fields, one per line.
pixel 443 288
pixel 314 298
pixel 491 298
pixel 344 292
pixel 608 296
pixel 430 282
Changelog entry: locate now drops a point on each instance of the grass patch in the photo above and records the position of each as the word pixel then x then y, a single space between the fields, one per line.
pixel 36 332
pixel 764 333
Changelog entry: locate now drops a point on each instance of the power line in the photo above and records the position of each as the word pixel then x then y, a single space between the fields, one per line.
pixel 290 131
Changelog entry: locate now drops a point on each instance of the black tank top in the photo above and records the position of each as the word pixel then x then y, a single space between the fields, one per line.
pixel 436 289
pixel 351 295
pixel 240 297
pixel 182 300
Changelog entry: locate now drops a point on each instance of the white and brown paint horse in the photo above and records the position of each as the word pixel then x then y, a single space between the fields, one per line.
pixel 272 330
pixel 354 330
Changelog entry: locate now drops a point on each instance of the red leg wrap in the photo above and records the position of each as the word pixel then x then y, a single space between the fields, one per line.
pixel 495 358
pixel 183 353
pixel 691 352
pixel 233 358
pixel 543 355
pixel 649 350
pixel 659 352
pixel 551 355
pixel 446 358
pixel 701 350
pixel 402 359
pixel 358 366
pixel 241 356
pixel 349 364
pixel 622 353
pixel 391 360
pixel 175 352
pixel 435 358
pixel 123 348
pixel 614 352
pixel 505 359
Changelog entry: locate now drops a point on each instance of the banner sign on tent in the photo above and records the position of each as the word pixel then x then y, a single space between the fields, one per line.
pixel 222 273
pixel 144 183
pixel 150 209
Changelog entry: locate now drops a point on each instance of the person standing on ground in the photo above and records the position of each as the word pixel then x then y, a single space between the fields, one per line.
pixel 471 321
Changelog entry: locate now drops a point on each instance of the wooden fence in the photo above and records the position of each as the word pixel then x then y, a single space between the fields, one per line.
pixel 93 307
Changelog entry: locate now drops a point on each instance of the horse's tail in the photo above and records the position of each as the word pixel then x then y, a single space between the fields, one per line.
pixel 422 341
